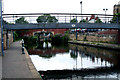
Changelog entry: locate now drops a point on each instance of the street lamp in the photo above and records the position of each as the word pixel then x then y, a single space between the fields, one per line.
pixel 105 13
pixel 81 9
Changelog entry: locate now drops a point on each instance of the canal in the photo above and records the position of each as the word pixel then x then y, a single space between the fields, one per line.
pixel 72 61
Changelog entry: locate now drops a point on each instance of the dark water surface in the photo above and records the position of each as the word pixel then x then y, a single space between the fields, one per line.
pixel 75 61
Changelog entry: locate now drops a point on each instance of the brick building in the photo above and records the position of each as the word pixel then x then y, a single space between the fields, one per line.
pixel 54 31
pixel 116 8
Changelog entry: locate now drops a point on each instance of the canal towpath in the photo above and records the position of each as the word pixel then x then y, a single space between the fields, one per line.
pixel 17 65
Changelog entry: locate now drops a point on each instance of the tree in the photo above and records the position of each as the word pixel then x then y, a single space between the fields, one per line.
pixel 21 20
pixel 83 21
pixel 5 22
pixel 98 20
pixel 74 20
pixel 116 18
pixel 46 18
pixel 20 33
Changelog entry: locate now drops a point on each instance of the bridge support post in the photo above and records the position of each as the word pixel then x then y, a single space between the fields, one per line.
pixel 119 36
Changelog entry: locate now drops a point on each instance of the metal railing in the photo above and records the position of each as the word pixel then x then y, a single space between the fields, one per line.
pixel 63 18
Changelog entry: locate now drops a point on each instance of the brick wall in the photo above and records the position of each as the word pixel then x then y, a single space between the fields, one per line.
pixel 102 38
pixel 5 40
pixel 119 36
pixel 55 31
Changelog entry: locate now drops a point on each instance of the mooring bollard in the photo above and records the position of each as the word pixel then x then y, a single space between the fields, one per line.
pixel 23 47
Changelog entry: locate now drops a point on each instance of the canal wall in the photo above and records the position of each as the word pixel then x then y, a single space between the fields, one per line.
pixel 97 45
pixel 93 37
pixel 31 65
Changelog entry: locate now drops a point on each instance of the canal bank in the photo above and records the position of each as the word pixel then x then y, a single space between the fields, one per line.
pixel 16 65
pixel 97 44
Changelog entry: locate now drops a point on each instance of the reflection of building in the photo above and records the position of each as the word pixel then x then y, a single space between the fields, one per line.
pixel 51 51
pixel 116 8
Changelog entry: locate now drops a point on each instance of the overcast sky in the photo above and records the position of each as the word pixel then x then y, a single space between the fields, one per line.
pixel 58 6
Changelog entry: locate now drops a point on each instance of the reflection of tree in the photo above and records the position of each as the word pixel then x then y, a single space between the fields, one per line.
pixel 74 53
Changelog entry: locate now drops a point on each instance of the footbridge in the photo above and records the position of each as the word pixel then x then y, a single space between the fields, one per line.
pixel 63 20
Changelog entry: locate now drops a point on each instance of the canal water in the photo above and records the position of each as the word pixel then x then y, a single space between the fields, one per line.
pixel 75 61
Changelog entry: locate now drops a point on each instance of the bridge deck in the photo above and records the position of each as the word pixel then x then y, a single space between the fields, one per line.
pixel 62 26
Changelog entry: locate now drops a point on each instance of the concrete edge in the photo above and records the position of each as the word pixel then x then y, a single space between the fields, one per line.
pixel 31 65
pixel 95 45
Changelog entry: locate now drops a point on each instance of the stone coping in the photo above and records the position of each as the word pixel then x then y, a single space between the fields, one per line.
pixel 97 44
pixel 31 65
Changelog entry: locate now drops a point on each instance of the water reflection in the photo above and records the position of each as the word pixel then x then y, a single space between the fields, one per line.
pixel 78 59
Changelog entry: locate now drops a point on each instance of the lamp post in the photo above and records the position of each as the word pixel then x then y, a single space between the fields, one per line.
pixel 105 13
pixel 1 21
pixel 81 9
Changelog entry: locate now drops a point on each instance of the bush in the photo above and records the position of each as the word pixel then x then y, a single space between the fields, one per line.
pixel 30 41
pixel 59 39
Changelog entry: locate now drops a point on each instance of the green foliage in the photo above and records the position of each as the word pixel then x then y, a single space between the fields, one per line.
pixel 16 36
pixel 30 41
pixel 116 18
pixel 83 21
pixel 5 22
pixel 59 38
pixel 21 20
pixel 98 21
pixel 46 18
pixel 19 33
pixel 74 20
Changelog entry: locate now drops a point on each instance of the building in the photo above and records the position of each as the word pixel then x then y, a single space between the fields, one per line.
pixel 54 31
pixel 116 8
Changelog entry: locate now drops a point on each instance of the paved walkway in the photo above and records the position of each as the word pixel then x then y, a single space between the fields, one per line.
pixel 18 65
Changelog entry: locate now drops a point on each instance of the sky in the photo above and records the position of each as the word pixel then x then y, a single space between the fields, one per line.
pixel 58 6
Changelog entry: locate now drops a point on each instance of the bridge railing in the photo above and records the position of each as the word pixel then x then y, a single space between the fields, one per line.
pixel 61 18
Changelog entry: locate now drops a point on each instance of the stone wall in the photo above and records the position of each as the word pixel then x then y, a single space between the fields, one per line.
pixel 95 37
pixel 5 40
